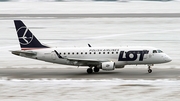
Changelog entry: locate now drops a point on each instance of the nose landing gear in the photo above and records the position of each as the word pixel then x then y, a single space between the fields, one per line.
pixel 149 69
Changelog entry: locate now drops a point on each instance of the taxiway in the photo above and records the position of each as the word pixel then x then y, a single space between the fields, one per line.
pixel 80 73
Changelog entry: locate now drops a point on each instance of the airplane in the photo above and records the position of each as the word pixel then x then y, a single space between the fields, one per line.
pixel 96 58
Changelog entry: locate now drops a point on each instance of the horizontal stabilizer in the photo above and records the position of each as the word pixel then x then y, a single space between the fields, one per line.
pixel 30 53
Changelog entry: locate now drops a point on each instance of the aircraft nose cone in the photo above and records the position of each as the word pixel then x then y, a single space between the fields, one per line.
pixel 168 59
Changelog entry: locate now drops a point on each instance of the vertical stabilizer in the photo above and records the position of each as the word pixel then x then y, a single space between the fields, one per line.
pixel 27 40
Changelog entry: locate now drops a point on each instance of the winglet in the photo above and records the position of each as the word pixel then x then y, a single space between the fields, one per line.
pixel 27 40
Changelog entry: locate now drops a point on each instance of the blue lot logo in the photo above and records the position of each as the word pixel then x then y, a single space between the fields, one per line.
pixel 132 55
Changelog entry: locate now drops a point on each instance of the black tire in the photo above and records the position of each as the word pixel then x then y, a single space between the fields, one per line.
pixel 96 69
pixel 89 70
pixel 150 71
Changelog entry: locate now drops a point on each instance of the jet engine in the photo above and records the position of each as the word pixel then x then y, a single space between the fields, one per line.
pixel 108 66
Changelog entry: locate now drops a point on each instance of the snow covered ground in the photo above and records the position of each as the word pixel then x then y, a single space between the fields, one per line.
pixel 88 7
pixel 89 90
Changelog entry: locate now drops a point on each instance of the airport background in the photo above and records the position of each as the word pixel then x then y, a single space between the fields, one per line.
pixel 161 32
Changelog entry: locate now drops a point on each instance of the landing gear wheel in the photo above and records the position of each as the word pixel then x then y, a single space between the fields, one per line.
pixel 96 69
pixel 89 70
pixel 150 70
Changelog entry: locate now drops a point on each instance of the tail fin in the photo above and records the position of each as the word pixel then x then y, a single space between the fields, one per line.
pixel 26 39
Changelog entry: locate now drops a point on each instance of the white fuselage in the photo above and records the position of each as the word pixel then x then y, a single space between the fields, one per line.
pixel 85 56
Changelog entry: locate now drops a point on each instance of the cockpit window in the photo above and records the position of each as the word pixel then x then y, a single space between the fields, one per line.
pixel 154 51
pixel 159 51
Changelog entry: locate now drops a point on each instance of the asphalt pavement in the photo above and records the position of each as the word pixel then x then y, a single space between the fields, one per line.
pixel 80 73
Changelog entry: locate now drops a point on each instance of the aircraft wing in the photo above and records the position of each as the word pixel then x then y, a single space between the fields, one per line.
pixel 82 61
pixel 18 52
pixel 86 61
pixel 90 60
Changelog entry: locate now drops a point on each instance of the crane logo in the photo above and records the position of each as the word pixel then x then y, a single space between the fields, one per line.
pixel 107 65
pixel 24 35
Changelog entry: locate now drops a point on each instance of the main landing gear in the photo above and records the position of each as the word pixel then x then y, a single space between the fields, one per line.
pixel 149 69
pixel 90 70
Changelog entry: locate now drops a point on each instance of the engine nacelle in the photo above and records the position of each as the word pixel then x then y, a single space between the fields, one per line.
pixel 108 66
pixel 120 64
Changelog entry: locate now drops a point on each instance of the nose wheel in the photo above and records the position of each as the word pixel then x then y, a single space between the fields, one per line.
pixel 149 69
